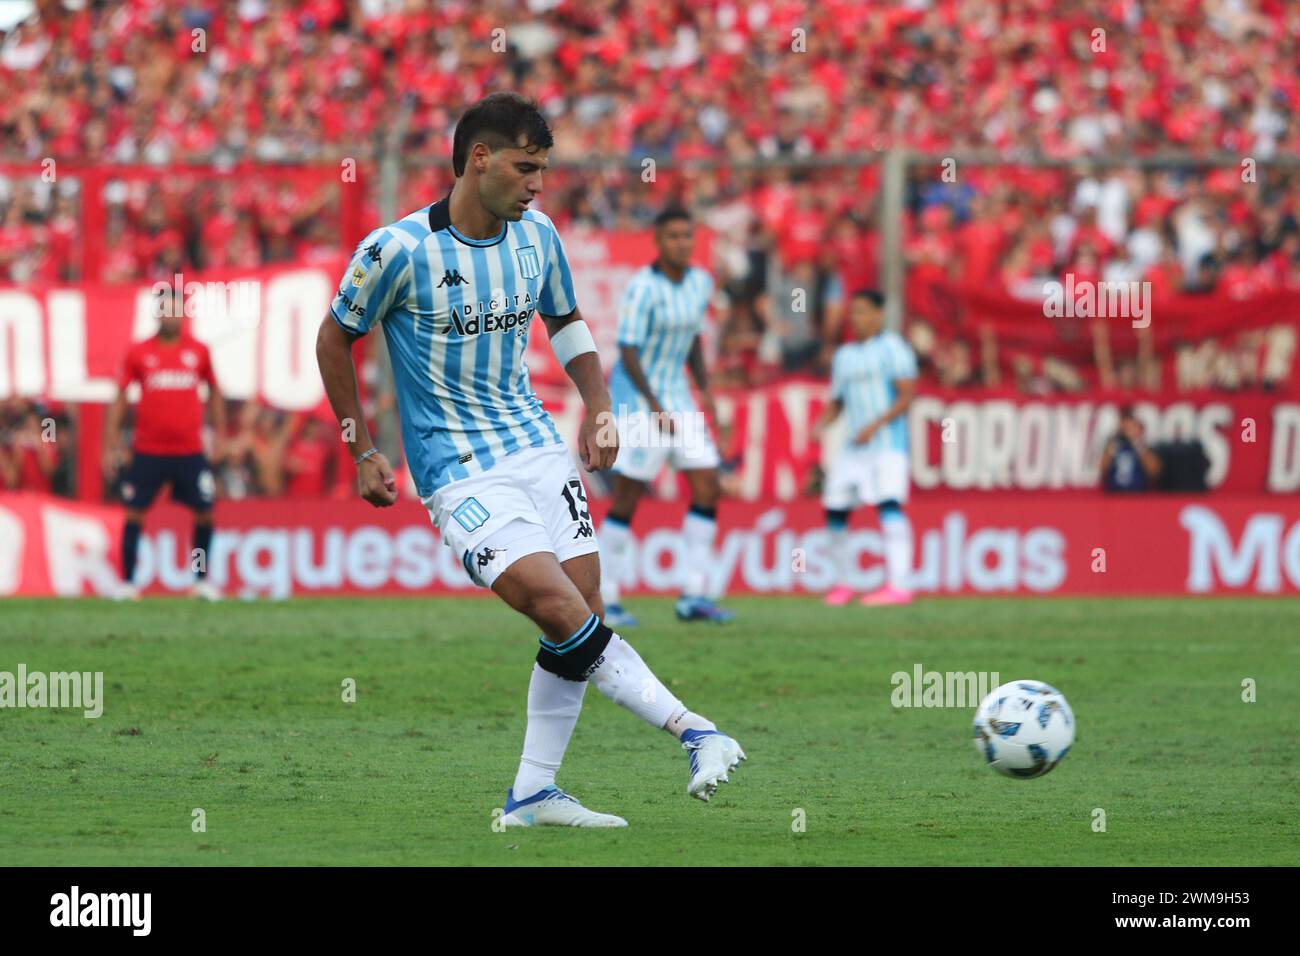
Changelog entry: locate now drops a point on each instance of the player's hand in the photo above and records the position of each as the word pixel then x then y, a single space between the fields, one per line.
pixel 598 440
pixel 376 481
pixel 114 458
pixel 867 433
pixel 710 409
pixel 657 414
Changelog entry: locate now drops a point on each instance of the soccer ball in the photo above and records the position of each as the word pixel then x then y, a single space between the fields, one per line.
pixel 1024 728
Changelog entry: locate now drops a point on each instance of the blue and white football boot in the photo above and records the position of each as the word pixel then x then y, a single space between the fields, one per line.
pixel 616 617
pixel 702 609
pixel 713 756
pixel 552 807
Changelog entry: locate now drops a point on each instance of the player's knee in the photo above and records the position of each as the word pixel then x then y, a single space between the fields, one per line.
pixel 574 657
pixel 557 612
pixel 596 603
pixel 890 509
pixel 836 518
pixel 706 494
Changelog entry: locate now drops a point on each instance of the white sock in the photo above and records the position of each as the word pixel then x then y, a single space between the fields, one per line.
pixel 685 720
pixel 624 678
pixel 553 707
pixel 839 556
pixel 699 533
pixel 614 538
pixel 897 533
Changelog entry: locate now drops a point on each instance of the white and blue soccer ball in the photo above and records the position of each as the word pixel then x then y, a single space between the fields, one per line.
pixel 1024 728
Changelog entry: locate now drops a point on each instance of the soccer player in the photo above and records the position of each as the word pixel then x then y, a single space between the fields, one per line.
pixel 874 379
pixel 659 328
pixel 167 448
pixel 455 286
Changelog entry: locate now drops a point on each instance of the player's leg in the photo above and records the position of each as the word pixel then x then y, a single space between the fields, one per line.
pixel 617 670
pixel 536 585
pixel 887 490
pixel 839 496
pixel 700 531
pixel 615 545
pixel 695 456
pixel 138 488
pixel 194 486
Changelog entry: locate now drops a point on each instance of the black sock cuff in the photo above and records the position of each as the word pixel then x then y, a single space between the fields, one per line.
pixel 704 512
pixel 574 658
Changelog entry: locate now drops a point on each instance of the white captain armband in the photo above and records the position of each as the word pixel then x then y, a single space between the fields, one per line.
pixel 571 341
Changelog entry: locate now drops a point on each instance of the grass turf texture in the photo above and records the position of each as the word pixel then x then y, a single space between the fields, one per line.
pixel 236 708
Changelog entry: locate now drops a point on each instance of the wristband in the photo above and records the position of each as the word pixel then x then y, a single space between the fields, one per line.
pixel 370 452
pixel 571 341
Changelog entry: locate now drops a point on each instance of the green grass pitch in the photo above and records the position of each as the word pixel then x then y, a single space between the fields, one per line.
pixel 237 709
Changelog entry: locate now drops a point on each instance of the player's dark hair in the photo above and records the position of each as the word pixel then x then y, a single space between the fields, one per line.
pixel 671 214
pixel 871 295
pixel 498 120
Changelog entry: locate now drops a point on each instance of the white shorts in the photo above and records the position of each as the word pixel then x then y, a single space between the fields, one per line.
pixel 529 502
pixel 866 476
pixel 644 450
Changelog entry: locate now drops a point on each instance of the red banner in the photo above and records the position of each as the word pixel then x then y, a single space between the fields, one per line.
pixel 68 343
pixel 1196 342
pixel 971 544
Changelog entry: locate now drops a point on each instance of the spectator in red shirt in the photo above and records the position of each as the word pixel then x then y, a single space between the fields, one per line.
pixel 168 444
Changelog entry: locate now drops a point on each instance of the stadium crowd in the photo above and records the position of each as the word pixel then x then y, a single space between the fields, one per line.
pixel 157 85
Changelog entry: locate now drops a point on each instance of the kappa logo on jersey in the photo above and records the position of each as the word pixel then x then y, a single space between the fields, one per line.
pixel 452 278
pixel 471 515
pixel 488 555
pixel 372 251
pixel 530 266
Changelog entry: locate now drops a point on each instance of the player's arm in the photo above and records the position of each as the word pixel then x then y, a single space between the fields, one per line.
pixel 113 451
pixel 700 373
pixel 828 415
pixel 113 433
pixel 338 372
pixel 906 388
pixel 631 359
pixel 576 351
pixel 216 410
pixel 836 403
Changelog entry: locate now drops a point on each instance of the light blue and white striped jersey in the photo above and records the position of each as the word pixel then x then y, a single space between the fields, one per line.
pixel 862 378
pixel 661 318
pixel 455 313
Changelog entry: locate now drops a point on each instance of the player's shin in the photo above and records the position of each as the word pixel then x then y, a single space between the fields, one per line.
pixel 837 524
pixel 699 530
pixel 130 548
pixel 896 530
pixel 202 547
pixel 554 704
pixel 614 539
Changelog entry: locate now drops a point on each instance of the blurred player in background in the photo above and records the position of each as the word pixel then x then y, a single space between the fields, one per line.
pixel 873 379
pixel 167 448
pixel 660 325
pixel 455 285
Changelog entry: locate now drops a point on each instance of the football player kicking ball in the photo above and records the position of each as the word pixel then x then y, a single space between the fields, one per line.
pixel 659 328
pixel 874 379
pixel 168 444
pixel 455 285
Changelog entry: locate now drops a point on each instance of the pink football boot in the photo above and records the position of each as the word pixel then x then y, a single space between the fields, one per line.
pixel 887 595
